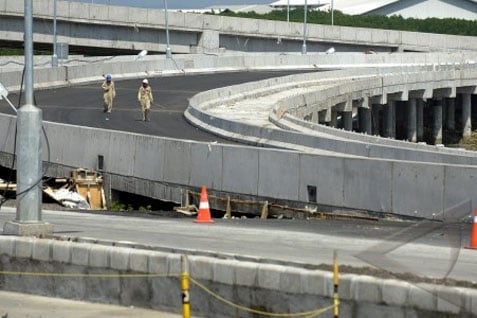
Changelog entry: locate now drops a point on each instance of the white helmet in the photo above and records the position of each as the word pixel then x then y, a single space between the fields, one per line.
pixel 145 81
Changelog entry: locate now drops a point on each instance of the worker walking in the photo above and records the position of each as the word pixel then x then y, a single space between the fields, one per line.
pixel 109 93
pixel 144 96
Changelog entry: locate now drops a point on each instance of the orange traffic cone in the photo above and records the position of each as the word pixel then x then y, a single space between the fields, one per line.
pixel 473 238
pixel 204 210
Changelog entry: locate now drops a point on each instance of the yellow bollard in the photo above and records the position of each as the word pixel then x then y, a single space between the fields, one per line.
pixel 185 287
pixel 335 283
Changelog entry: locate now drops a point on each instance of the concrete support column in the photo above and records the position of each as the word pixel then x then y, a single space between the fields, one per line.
pixel 450 112
pixel 375 122
pixel 390 120
pixel 420 119
pixel 437 125
pixel 334 118
pixel 466 115
pixel 321 117
pixel 411 120
pixel 365 120
pixel 208 42
pixel 347 120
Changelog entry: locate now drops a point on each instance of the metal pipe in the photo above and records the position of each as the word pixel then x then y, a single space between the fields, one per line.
pixel 54 58
pixel 332 12
pixel 303 48
pixel 168 49
pixel 28 43
pixel 288 10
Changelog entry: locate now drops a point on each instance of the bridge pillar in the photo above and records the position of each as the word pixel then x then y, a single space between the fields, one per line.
pixel 347 120
pixel 208 42
pixel 450 113
pixel 466 115
pixel 419 119
pixel 437 125
pixel 390 120
pixel 334 118
pixel 322 117
pixel 375 119
pixel 364 115
pixel 412 120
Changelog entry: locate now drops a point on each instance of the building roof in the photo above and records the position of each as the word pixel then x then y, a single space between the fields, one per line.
pixel 356 7
pixel 297 3
pixel 260 9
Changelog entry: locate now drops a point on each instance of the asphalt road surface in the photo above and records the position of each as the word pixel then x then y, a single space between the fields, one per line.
pixel 430 253
pixel 427 249
pixel 16 305
pixel 83 105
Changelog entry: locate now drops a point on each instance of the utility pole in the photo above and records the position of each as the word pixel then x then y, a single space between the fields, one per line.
pixel 29 162
pixel 303 48
pixel 54 58
pixel 288 10
pixel 168 48
pixel 332 13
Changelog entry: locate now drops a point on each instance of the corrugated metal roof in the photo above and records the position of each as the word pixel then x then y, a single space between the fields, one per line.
pixel 298 3
pixel 356 7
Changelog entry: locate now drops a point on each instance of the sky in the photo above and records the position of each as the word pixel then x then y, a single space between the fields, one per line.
pixel 176 4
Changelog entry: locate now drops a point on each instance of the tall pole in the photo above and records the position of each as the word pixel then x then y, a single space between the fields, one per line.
pixel 288 10
pixel 332 12
pixel 28 144
pixel 168 49
pixel 303 48
pixel 28 45
pixel 54 58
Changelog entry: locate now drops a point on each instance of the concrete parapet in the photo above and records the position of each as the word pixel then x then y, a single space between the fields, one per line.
pixel 298 289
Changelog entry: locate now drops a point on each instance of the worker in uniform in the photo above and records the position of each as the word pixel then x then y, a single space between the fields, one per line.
pixel 144 96
pixel 109 93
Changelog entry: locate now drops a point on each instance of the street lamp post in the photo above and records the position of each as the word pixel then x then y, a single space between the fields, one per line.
pixel 303 48
pixel 54 58
pixel 288 10
pixel 332 12
pixel 29 150
pixel 168 48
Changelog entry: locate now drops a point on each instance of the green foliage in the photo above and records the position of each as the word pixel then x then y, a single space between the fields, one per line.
pixel 145 209
pixel 118 207
pixel 5 51
pixel 430 25
pixel 8 51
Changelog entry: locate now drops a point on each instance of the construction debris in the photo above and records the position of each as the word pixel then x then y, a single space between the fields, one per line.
pixel 83 190
pixel 68 198
pixel 189 210
pixel 263 209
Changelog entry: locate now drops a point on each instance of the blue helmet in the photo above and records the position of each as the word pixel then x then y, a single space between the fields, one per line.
pixel 108 77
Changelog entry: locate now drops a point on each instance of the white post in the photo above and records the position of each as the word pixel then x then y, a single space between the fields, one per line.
pixel 303 48
pixel 54 58
pixel 288 10
pixel 332 12
pixel 168 49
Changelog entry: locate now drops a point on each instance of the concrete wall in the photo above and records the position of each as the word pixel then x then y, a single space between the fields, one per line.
pixel 164 168
pixel 283 288
pixel 136 29
pixel 332 88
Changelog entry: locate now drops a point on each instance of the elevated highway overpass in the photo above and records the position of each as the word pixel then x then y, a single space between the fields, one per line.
pixel 104 28
pixel 389 172
pixel 164 168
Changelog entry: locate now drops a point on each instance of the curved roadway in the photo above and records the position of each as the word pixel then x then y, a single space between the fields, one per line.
pixel 82 105
pixel 298 241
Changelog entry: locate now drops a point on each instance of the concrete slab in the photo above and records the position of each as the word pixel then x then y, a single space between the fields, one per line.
pixel 23 305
